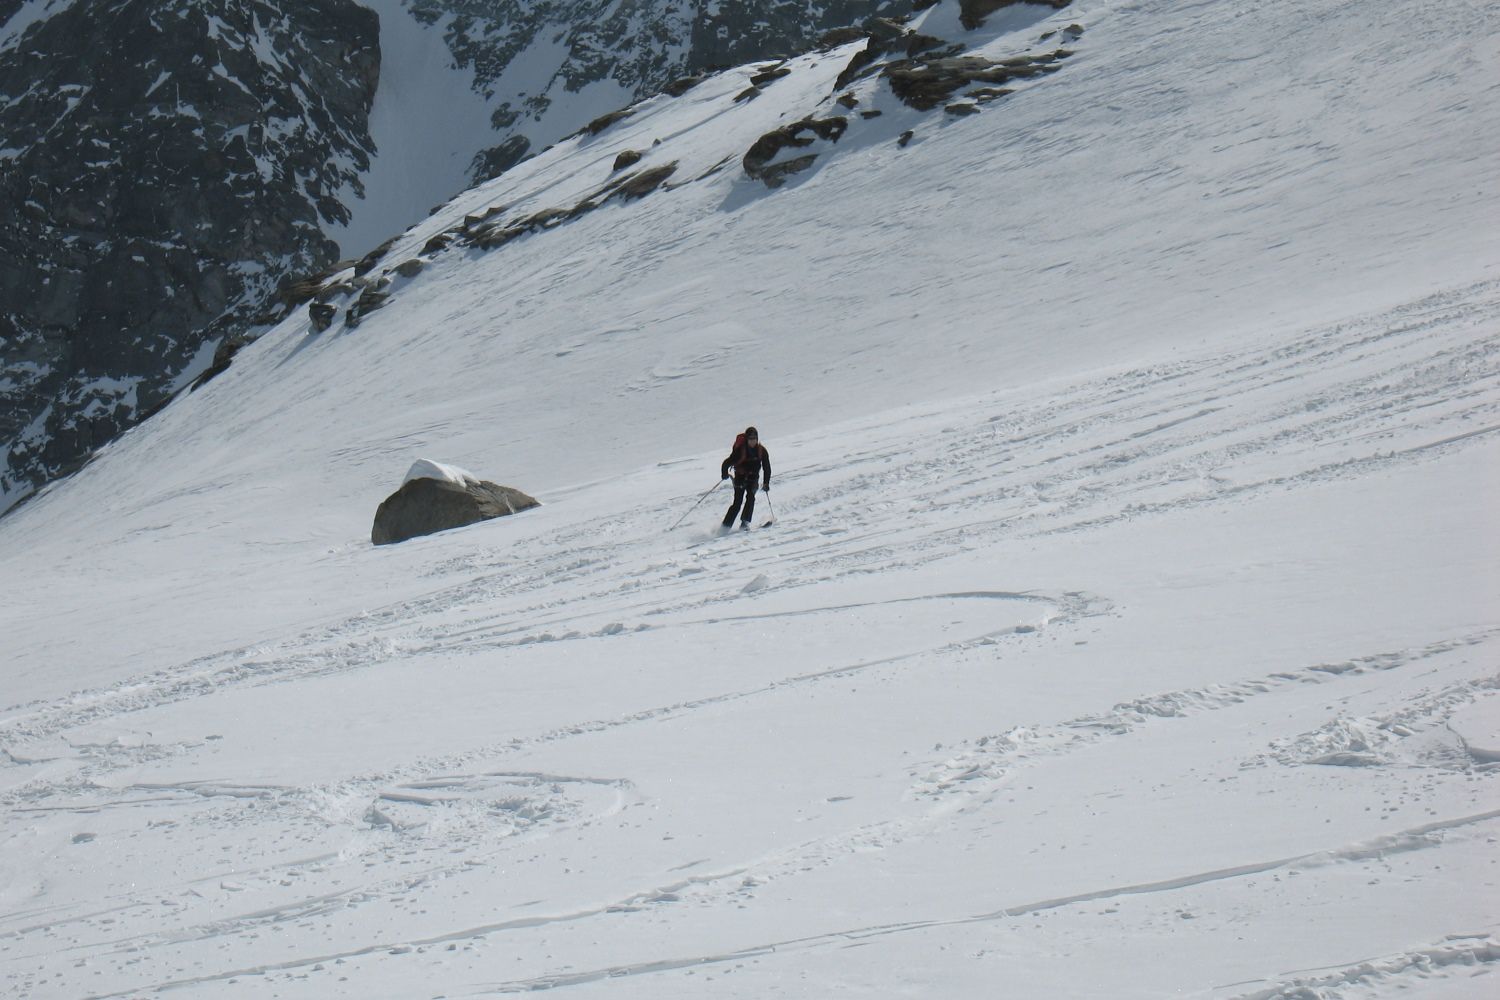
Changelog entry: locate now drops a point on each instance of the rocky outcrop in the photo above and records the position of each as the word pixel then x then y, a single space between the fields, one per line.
pixel 762 161
pixel 923 71
pixel 424 506
pixel 926 84
pixel 492 230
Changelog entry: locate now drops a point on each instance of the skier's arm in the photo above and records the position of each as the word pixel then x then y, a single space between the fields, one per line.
pixel 724 467
pixel 765 465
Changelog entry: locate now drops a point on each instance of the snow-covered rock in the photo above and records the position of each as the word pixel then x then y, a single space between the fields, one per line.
pixel 435 497
pixel 424 468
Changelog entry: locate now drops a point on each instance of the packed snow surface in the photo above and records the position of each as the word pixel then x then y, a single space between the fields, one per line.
pixel 1128 625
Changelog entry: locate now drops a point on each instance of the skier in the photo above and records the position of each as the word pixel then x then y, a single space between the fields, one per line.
pixel 751 461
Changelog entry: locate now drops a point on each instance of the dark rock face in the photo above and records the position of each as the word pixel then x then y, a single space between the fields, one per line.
pixel 758 161
pixel 925 84
pixel 424 506
pixel 155 156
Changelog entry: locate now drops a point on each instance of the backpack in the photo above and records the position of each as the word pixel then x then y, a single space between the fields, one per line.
pixel 741 454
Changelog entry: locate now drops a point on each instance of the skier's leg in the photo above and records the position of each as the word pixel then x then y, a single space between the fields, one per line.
pixel 734 508
pixel 749 503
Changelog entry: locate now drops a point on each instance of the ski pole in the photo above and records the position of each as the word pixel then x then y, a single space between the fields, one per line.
pixel 770 507
pixel 696 503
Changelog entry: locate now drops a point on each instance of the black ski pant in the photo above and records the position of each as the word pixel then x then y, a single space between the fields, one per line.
pixel 744 492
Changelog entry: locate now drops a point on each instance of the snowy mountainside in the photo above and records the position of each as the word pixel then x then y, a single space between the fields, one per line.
pixel 1127 626
pixel 169 169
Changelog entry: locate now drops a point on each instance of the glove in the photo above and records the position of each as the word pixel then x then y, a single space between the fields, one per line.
pixel 766 488
pixel 724 478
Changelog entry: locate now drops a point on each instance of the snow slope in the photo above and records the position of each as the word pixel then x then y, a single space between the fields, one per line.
pixel 1128 626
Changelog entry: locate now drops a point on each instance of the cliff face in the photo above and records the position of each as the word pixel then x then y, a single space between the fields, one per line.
pixel 167 166
pixel 164 164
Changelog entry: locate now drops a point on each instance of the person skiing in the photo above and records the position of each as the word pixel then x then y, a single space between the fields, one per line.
pixel 751 461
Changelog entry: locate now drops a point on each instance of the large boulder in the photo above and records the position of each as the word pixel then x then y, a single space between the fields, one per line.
pixel 437 497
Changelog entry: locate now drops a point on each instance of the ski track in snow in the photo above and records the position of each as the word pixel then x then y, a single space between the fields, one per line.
pixel 1425 384
pixel 1331 404
pixel 1461 956
pixel 1419 838
pixel 601 755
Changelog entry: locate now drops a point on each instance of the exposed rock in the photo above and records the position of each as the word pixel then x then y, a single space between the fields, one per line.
pixel 223 357
pixel 496 237
pixel 627 158
pixel 298 291
pixel 748 94
pixel 605 121
pixel 336 290
pixel 547 218
pixel 641 184
pixel 492 236
pixel 883 30
pixel 849 101
pixel 438 243
pixel 918 44
pixel 960 110
pixel 372 298
pixel 873 113
pixel 321 314
pixel 841 36
pixel 368 262
pixel 496 160
pixel 905 138
pixel 859 64
pixel 767 76
pixel 925 84
pixel 683 84
pixel 424 506
pixel 411 268
pixel 758 160
pixel 475 218
pixel 776 174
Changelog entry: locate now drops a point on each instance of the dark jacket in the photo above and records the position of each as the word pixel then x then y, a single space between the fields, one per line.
pixel 747 463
